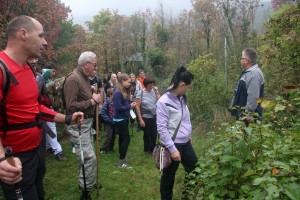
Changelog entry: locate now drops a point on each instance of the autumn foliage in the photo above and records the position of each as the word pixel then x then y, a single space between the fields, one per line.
pixel 50 13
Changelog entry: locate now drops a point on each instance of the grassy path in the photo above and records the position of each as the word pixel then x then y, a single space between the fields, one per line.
pixel 139 183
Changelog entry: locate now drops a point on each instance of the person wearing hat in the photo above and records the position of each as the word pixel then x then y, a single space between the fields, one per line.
pixel 52 144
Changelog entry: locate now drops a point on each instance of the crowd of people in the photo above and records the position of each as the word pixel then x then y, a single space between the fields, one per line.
pixel 115 98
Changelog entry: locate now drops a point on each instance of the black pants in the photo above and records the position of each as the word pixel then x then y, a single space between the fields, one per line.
pixel 109 141
pixel 33 172
pixel 150 134
pixel 124 137
pixel 188 160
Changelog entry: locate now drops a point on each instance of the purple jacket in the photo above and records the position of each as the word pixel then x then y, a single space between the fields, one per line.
pixel 168 114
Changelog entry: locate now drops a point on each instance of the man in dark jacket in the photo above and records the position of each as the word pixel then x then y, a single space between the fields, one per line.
pixel 249 87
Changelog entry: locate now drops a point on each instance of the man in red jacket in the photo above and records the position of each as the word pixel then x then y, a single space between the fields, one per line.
pixel 21 111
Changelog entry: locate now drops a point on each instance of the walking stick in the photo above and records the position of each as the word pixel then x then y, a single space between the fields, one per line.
pixel 82 162
pixel 10 159
pixel 97 140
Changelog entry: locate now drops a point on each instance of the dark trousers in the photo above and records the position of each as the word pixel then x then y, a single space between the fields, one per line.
pixel 99 122
pixel 33 172
pixel 109 142
pixel 124 137
pixel 150 134
pixel 188 160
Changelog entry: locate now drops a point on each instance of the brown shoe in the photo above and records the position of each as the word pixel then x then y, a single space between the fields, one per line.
pixel 60 157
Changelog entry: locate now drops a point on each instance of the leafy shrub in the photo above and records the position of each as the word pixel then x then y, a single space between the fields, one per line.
pixel 280 56
pixel 209 88
pixel 261 161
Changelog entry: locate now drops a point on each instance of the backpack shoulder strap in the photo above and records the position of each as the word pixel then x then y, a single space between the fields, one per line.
pixel 8 77
pixel 32 69
pixel 62 90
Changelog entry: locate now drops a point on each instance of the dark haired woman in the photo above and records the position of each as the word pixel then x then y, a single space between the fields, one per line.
pixel 146 111
pixel 122 105
pixel 172 112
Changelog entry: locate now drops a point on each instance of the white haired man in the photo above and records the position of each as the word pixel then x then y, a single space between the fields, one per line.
pixel 79 97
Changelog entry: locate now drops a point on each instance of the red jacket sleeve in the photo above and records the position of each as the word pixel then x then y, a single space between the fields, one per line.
pixel 46 114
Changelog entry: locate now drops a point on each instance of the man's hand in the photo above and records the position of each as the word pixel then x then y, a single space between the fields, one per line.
pixel 77 118
pixel 10 174
pixel 96 97
pixel 176 156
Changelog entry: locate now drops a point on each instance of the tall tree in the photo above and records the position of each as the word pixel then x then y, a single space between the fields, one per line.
pixel 98 38
pixel 206 16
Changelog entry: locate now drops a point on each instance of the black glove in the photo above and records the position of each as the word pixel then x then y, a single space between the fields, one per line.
pixel 68 119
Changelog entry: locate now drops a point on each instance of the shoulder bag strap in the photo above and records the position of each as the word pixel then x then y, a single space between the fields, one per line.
pixel 176 131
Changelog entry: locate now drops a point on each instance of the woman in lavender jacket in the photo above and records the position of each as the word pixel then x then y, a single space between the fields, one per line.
pixel 171 109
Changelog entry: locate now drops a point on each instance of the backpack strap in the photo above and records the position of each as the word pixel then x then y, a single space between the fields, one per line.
pixel 176 131
pixel 8 77
pixel 62 90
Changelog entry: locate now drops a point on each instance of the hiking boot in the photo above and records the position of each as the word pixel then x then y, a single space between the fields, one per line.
pixel 60 157
pixel 124 164
pixel 85 196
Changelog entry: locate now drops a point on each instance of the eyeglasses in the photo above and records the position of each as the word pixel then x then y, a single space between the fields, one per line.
pixel 95 64
pixel 244 58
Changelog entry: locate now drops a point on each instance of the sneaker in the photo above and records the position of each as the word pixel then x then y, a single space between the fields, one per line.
pixel 73 150
pixel 103 152
pixel 60 157
pixel 124 164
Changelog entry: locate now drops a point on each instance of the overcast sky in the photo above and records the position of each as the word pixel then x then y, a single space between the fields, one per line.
pixel 85 10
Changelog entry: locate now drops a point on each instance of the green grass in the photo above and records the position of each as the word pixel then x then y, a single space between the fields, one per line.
pixel 140 182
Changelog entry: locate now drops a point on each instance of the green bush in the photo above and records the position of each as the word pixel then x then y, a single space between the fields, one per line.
pixel 261 161
pixel 209 88
pixel 280 56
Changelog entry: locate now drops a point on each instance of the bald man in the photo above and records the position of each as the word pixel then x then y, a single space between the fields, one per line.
pixel 21 115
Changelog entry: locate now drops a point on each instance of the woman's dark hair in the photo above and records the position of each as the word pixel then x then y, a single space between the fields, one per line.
pixel 148 80
pixel 183 75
